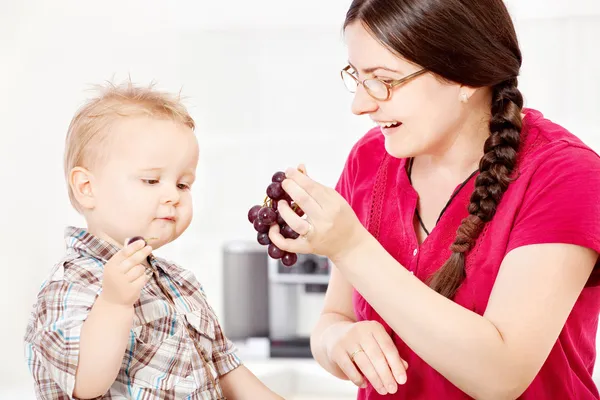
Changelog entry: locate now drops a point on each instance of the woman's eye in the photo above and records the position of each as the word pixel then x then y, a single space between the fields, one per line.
pixel 150 181
pixel 183 186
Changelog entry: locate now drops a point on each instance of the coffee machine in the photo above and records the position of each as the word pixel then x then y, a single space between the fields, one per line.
pixel 309 274
pixel 264 299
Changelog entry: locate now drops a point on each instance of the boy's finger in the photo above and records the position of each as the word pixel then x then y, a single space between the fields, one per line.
pixel 141 281
pixel 136 258
pixel 131 248
pixel 135 272
pixel 126 251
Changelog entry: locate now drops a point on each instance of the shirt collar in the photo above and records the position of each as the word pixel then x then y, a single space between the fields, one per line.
pixel 81 241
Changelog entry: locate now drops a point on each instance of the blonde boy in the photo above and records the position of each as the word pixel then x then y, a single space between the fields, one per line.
pixel 113 321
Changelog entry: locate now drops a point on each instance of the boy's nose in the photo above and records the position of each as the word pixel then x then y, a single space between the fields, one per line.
pixel 171 195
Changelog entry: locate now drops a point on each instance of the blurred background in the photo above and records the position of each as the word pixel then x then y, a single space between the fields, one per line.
pixel 261 79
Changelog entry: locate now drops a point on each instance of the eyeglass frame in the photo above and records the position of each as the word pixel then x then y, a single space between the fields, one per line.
pixel 389 85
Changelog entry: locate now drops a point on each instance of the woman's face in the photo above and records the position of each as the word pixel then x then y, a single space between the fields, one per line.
pixel 428 110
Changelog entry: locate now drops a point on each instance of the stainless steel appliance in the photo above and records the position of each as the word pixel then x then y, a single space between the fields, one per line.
pixel 246 290
pixel 263 298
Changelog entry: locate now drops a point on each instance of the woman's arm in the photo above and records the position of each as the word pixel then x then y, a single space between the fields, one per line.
pixel 482 355
pixel 337 314
pixel 496 355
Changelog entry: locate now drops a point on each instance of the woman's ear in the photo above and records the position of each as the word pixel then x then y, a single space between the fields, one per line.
pixel 465 93
pixel 81 182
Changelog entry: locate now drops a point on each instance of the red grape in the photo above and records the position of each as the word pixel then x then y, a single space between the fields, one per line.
pixel 253 213
pixel 289 259
pixel 263 238
pixel 288 232
pixel 275 191
pixel 134 239
pixel 267 215
pixel 275 252
pixel 278 177
pixel 297 209
pixel 260 226
pixel 280 220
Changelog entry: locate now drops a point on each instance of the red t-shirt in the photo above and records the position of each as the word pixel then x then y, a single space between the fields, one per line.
pixel 556 199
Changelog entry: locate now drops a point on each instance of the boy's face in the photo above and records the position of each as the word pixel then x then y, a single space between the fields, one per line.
pixel 144 185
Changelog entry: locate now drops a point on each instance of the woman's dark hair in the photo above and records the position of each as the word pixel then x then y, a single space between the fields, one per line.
pixel 471 42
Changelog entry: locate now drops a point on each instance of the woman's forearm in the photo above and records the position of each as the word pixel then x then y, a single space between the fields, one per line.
pixel 463 346
pixel 329 328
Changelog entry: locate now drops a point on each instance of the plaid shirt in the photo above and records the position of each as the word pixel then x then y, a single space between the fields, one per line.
pixel 163 357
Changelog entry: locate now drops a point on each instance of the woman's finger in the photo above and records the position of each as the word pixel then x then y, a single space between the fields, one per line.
pixel 302 168
pixel 390 351
pixel 363 362
pixel 298 224
pixel 349 369
pixel 379 362
pixel 314 189
pixel 299 246
pixel 308 204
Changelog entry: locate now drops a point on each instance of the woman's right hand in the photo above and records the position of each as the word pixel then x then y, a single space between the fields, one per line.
pixel 365 350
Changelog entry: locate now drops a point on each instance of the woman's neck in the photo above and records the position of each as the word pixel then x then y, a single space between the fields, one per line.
pixel 460 155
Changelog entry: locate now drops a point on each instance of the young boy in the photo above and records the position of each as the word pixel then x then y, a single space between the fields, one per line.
pixel 113 321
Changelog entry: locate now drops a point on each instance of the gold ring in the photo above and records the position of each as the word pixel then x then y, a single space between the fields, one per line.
pixel 354 354
pixel 310 228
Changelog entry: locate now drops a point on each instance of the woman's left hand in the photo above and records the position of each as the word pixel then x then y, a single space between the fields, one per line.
pixel 331 228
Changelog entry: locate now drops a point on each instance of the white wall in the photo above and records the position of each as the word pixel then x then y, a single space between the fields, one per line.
pixel 262 82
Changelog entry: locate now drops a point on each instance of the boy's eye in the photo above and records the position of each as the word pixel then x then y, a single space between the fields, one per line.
pixel 183 186
pixel 150 181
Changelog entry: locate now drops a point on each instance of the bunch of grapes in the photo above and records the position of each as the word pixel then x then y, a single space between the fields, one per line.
pixel 265 215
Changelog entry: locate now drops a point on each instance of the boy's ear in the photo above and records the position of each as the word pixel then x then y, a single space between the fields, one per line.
pixel 80 180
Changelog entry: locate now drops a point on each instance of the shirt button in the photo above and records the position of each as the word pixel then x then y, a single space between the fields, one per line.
pixel 415 252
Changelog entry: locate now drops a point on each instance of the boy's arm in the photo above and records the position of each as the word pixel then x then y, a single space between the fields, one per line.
pixel 241 384
pixel 104 338
pixel 237 381
pixel 105 332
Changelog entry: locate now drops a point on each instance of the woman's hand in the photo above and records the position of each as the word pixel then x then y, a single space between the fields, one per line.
pixel 366 350
pixel 330 227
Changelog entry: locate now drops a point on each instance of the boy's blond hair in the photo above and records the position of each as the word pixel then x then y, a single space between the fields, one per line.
pixel 89 127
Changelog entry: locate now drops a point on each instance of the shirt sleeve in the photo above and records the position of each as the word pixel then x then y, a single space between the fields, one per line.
pixel 345 182
pixel 562 202
pixel 52 340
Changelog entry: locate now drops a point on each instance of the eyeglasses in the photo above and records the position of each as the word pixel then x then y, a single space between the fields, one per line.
pixel 376 88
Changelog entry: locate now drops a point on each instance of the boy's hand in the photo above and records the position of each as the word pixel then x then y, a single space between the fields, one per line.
pixel 125 275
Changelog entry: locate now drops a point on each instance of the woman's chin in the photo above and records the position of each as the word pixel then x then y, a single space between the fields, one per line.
pixel 398 148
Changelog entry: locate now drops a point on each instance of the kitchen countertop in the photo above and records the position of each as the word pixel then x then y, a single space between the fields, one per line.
pixel 300 379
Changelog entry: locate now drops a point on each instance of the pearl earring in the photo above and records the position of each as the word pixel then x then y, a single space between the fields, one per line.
pixel 463 97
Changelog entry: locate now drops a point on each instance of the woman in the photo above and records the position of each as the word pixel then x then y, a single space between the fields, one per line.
pixel 464 230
